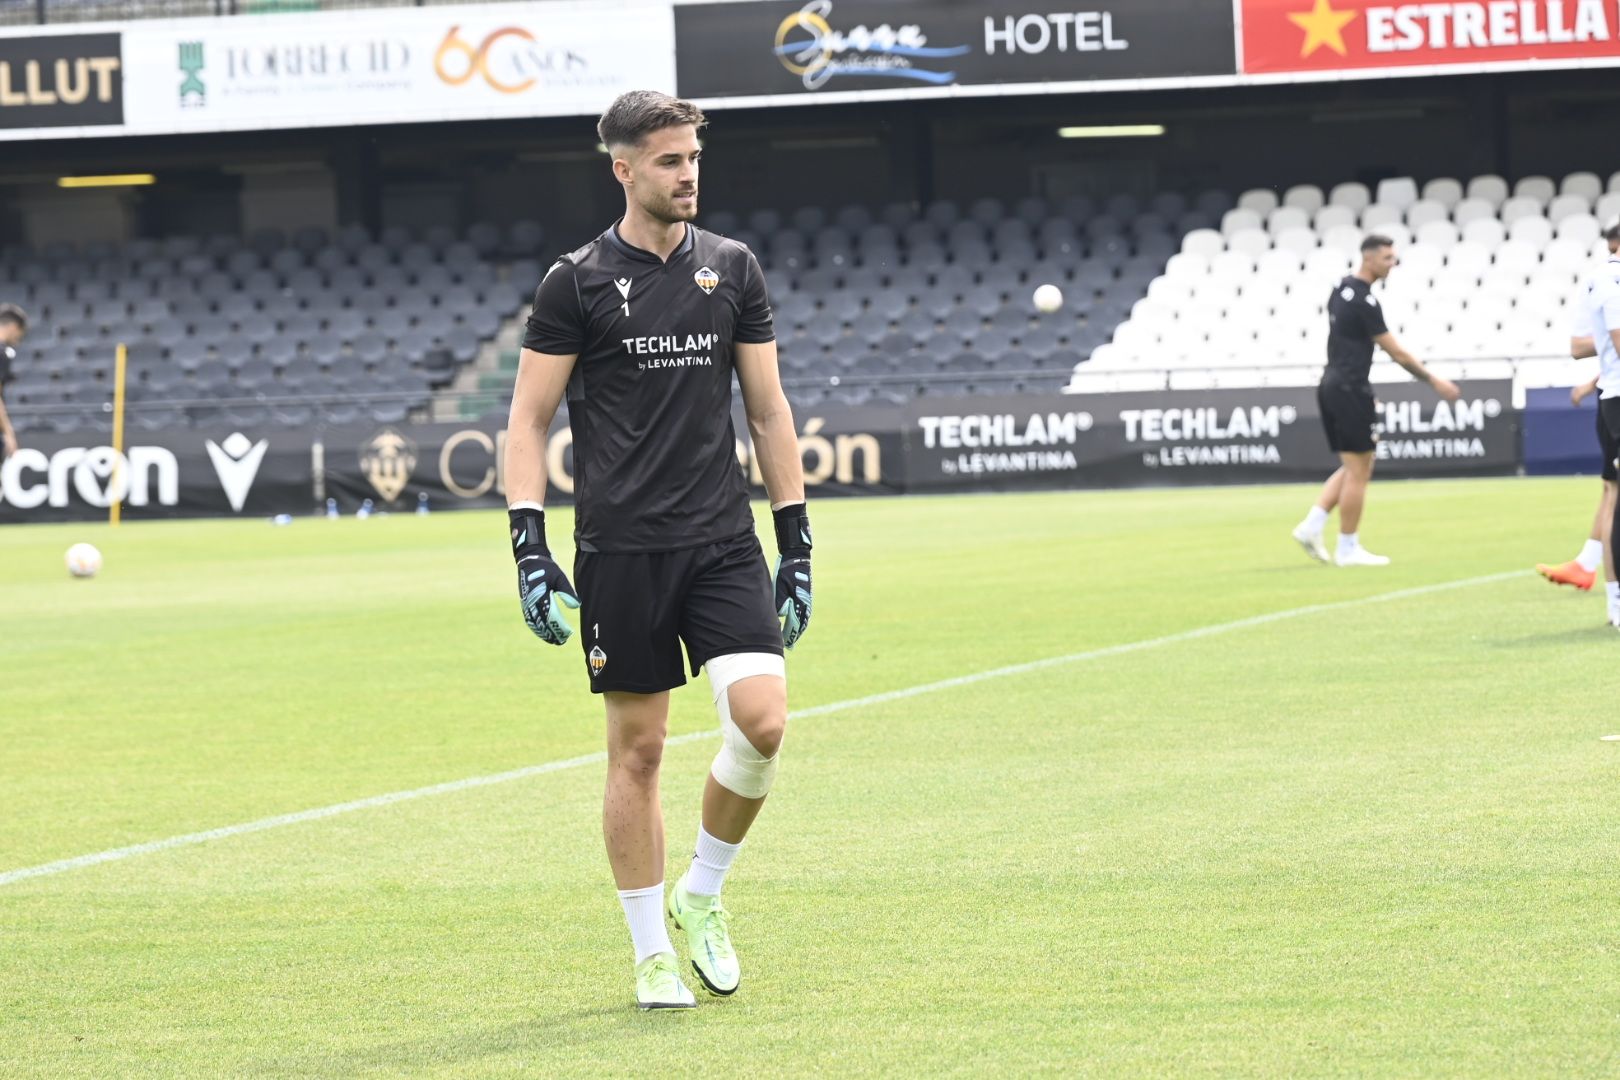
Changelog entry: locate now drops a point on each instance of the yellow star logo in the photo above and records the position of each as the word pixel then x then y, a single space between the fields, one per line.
pixel 1323 26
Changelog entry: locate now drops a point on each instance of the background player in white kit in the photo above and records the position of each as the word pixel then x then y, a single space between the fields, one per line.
pixel 644 328
pixel 1581 571
pixel 1602 306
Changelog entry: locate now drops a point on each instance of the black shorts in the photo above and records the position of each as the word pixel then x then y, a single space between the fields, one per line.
pixel 1608 433
pixel 1349 416
pixel 637 609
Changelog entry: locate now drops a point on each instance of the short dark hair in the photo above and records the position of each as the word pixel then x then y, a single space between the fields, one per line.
pixel 636 114
pixel 1611 231
pixel 1374 241
pixel 11 313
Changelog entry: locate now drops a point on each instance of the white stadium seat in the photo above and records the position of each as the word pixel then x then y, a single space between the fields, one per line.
pixel 1438 234
pixel 1186 265
pixel 1211 296
pixel 1132 338
pixel 1378 215
pixel 1300 241
pixel 1397 191
pixel 1565 256
pixel 1588 185
pixel 1307 197
pixel 1261 200
pixel 1537 231
pixel 1504 277
pixel 1282 263
pixel 1327 265
pixel 1608 207
pixel 1614 181
pixel 1473 210
pixel 1398 233
pixel 1346 238
pixel 1492 189
pixel 1239 219
pixel 1457 283
pixel 1423 259
pixel 1249 241
pixel 1287 217
pixel 1519 256
pixel 1233 264
pixel 1540 188
pixel 1582 228
pixel 1567 205
pixel 1425 211
pixel 1444 190
pixel 1152 312
pixel 1466 258
pixel 1331 217
pixel 1487 232
pixel 1519 207
pixel 1205 242
pixel 1171 292
pixel 1351 194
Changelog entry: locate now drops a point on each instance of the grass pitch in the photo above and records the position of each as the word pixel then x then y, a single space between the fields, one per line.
pixel 1375 839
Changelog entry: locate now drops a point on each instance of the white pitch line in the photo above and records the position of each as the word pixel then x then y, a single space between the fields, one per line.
pixel 153 846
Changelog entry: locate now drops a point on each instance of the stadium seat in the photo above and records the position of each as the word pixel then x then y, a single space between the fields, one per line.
pixel 1306 197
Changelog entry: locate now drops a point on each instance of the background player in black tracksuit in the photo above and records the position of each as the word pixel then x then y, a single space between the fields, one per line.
pixel 1349 413
pixel 13 327
pixel 643 328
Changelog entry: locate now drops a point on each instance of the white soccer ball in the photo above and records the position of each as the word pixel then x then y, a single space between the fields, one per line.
pixel 83 560
pixel 1048 298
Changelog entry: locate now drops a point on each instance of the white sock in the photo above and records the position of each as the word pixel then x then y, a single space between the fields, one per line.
pixel 710 861
pixel 1591 555
pixel 1314 521
pixel 1348 542
pixel 1613 589
pixel 644 911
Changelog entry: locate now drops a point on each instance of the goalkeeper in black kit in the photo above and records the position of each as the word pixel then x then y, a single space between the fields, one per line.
pixel 643 329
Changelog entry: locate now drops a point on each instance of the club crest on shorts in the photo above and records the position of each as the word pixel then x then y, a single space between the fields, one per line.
pixel 707 280
pixel 598 660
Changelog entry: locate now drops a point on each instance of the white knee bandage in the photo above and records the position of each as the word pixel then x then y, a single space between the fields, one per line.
pixel 738 766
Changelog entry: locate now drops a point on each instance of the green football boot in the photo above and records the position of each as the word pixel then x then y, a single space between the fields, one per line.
pixel 659 986
pixel 708 938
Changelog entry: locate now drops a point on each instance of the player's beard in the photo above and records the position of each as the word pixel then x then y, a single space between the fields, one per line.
pixel 665 209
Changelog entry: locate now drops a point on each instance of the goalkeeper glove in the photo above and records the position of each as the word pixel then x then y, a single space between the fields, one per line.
pixel 792 571
pixel 542 585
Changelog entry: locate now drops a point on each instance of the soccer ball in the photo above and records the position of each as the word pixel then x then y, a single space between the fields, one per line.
pixel 83 560
pixel 1048 298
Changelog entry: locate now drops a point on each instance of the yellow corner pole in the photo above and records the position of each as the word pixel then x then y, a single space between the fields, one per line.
pixel 120 371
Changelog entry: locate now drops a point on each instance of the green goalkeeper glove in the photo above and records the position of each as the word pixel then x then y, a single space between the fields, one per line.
pixel 792 571
pixel 542 585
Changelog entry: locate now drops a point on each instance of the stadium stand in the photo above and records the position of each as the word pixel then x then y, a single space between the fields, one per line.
pixel 1487 269
pixel 880 305
pixel 874 305
pixel 267 329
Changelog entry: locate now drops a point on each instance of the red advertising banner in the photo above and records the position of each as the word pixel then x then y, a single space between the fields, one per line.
pixel 1330 35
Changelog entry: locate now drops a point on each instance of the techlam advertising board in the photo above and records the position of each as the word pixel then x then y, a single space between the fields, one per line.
pixel 392 65
pixel 1194 437
pixel 944 444
pixel 1297 36
pixel 800 50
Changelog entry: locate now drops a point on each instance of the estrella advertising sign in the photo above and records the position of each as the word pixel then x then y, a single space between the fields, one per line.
pixel 1339 35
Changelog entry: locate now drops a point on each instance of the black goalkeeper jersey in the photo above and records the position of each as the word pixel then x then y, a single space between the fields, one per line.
pixel 655 451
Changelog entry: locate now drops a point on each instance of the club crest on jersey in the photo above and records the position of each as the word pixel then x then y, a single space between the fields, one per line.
pixel 598 660
pixel 707 280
